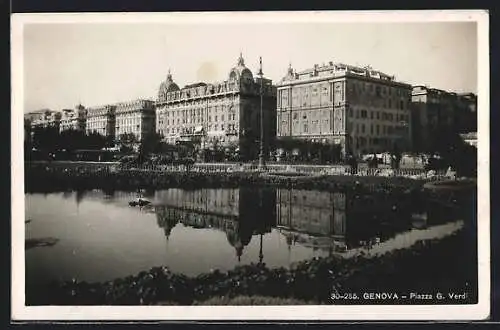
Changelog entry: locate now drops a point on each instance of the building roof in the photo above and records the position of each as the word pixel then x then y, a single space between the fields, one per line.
pixel 168 85
pixel 240 70
pixel 198 84
pixel 335 69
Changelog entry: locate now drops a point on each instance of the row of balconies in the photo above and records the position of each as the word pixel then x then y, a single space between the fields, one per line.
pixel 175 97
pixel 183 95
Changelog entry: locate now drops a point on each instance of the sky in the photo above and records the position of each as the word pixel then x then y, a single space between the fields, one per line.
pixel 100 63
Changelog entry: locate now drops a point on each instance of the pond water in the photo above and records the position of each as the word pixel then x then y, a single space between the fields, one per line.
pixel 96 236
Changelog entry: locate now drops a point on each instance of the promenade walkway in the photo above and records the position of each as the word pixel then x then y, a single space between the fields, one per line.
pixel 301 169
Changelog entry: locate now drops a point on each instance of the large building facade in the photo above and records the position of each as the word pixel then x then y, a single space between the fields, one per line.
pixel 101 119
pixel 226 113
pixel 44 118
pixel 74 119
pixel 436 111
pixel 135 117
pixel 360 109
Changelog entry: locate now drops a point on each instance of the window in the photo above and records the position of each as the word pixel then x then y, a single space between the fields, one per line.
pixel 377 90
pixel 222 118
pixel 350 113
pixel 294 115
pixel 378 129
pixel 362 128
pixel 390 103
pixel 371 114
pixel 378 115
pixel 371 129
pixel 357 113
pixel 363 114
pixel 402 105
pixel 306 128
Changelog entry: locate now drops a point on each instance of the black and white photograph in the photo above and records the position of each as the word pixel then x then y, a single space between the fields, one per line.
pixel 250 166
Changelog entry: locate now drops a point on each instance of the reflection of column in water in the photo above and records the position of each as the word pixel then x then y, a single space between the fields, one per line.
pixel 289 241
pixel 261 253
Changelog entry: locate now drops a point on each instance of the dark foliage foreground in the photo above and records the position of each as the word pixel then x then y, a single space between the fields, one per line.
pixel 444 264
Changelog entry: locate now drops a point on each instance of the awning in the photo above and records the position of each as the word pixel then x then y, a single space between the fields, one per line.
pixel 198 129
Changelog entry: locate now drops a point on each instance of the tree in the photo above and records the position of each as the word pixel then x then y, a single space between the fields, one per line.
pixel 46 138
pixel 109 141
pixel 151 143
pixel 95 141
pixel 309 150
pixel 127 139
pixel 461 156
pixel 72 140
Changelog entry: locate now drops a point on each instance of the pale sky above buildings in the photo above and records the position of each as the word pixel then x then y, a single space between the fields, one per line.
pixel 96 64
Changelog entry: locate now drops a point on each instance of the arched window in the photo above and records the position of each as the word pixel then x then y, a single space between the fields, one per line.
pixel 233 76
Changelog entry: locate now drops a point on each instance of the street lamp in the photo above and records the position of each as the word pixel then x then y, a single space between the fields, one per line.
pixel 262 163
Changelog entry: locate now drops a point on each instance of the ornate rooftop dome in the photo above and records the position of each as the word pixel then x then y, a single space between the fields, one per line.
pixel 167 86
pixel 240 71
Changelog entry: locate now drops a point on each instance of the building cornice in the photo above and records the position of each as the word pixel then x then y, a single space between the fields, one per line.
pixel 340 77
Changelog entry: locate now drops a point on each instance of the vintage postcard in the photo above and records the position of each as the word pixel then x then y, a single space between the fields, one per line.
pixel 251 166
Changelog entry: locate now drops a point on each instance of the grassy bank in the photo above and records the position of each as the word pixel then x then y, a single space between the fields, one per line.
pixel 433 265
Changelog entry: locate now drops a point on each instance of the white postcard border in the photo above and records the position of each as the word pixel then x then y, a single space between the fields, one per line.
pixel 435 312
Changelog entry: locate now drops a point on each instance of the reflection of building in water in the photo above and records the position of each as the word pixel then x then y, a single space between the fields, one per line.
pixel 312 218
pixel 217 201
pixel 240 213
pixel 320 219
